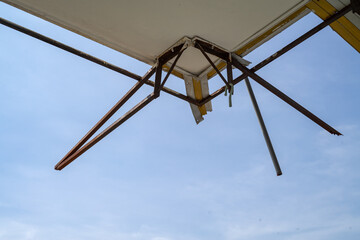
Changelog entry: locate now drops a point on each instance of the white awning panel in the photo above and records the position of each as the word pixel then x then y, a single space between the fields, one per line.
pixel 143 29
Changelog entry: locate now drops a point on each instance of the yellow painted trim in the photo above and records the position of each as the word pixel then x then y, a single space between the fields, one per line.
pixel 197 88
pixel 249 45
pixel 198 95
pixel 257 40
pixel 270 31
pixel 347 30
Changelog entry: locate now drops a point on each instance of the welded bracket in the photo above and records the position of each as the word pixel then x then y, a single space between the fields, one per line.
pixel 355 4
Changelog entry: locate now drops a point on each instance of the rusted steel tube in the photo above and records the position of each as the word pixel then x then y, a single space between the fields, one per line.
pixel 285 49
pixel 92 58
pixel 171 68
pixel 285 98
pixel 108 115
pixel 68 48
pixel 305 36
pixel 263 128
pixel 212 64
pixel 104 133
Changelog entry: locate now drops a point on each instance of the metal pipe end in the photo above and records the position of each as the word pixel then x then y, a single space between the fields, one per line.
pixel 337 133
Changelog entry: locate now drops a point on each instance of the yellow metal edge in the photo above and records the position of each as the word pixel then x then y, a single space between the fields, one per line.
pixel 257 40
pixel 347 30
pixel 270 31
pixel 198 95
pixel 197 88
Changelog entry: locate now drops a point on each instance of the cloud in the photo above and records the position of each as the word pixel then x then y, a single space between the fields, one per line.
pixel 14 230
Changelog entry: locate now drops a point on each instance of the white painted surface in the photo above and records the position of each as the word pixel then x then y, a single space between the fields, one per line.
pixel 143 29
pixel 352 17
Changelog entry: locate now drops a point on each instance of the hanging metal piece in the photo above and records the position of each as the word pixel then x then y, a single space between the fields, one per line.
pixel 230 79
pixel 231 92
pixel 263 128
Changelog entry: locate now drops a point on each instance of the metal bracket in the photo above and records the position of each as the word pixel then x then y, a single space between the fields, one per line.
pixel 355 4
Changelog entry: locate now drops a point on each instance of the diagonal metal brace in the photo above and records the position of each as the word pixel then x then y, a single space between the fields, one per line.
pixel 104 133
pixel 176 51
pixel 105 118
pixel 93 59
pixel 212 64
pixel 284 97
pixel 172 67
pixel 282 51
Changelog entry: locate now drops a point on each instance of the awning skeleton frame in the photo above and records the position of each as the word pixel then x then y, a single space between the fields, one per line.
pixel 230 58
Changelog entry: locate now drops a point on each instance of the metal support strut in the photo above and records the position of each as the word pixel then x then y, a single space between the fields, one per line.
pixel 92 59
pixel 75 152
pixel 85 143
pixel 284 50
pixel 263 128
pixel 104 133
pixel 285 98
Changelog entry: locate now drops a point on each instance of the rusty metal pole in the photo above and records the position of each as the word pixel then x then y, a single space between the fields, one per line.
pixel 92 59
pixel 285 98
pixel 104 133
pixel 171 68
pixel 263 128
pixel 109 114
pixel 284 50
pixel 158 79
pixel 212 64
pixel 68 48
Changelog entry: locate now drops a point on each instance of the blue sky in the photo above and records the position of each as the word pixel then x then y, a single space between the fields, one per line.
pixel 162 177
